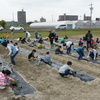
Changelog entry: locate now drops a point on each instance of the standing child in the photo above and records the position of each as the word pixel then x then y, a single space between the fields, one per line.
pixel 12 34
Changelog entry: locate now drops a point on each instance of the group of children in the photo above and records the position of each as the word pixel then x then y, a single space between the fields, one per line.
pixel 64 70
pixel 34 57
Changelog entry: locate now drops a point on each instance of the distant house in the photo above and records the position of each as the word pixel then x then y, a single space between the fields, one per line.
pixel 11 23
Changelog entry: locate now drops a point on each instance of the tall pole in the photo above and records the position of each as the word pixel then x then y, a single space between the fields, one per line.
pixel 52 17
pixel 91 8
pixel 13 17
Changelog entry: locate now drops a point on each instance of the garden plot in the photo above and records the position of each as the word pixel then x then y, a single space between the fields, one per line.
pixel 48 82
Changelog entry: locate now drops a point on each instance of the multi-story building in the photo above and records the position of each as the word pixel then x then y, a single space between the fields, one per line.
pixel 21 15
pixel 97 19
pixel 87 17
pixel 42 19
pixel 68 17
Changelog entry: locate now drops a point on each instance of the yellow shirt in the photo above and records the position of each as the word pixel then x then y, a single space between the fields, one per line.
pixel 39 45
pixel 6 35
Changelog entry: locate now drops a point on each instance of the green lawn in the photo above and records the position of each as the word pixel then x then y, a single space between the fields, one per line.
pixel 73 32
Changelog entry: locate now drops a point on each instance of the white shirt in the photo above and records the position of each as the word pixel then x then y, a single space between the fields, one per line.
pixel 28 34
pixel 68 43
pixel 9 48
pixel 94 52
pixel 63 68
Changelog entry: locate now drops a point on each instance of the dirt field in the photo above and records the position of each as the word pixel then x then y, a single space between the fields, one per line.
pixel 47 81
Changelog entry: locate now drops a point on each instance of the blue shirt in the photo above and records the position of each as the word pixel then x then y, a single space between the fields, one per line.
pixel 2 41
pixel 13 48
pixel 80 50
pixel 47 58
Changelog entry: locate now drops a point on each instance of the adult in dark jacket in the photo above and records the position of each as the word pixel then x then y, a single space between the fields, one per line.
pixel 51 37
pixel 88 38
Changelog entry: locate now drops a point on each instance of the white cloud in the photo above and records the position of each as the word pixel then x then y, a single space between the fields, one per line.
pixel 47 8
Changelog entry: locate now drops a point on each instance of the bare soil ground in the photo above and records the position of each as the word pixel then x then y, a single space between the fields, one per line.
pixel 47 81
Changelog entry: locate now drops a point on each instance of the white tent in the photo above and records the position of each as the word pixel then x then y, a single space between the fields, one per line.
pixel 69 24
pixel 46 24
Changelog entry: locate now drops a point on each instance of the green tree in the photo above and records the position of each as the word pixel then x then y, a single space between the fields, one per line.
pixel 3 23
pixel 29 22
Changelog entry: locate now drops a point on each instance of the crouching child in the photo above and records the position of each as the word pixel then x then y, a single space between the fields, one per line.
pixel 4 75
pixel 31 56
pixel 66 70
pixel 46 59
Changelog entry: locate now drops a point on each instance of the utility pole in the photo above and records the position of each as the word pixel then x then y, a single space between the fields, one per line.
pixel 91 8
pixel 13 17
pixel 52 17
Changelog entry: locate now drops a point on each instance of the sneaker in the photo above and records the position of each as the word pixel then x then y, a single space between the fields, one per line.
pixel 64 76
pixel 39 62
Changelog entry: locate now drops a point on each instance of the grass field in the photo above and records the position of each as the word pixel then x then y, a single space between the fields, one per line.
pixel 45 33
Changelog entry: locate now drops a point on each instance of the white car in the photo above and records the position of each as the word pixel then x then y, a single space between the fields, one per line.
pixel 61 27
pixel 1 28
pixel 17 28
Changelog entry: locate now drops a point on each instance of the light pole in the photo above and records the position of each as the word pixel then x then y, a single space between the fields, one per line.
pixel 91 8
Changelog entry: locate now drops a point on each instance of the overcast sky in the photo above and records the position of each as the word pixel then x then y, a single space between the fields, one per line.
pixel 49 9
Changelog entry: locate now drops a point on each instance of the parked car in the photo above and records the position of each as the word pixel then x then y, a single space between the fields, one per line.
pixel 1 28
pixel 61 27
pixel 17 28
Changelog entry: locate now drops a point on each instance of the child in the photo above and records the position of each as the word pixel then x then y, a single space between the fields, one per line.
pixel 58 50
pixel 80 42
pixel 62 40
pixel 3 76
pixel 47 59
pixel 92 53
pixel 97 40
pixel 66 70
pixel 94 44
pixel 31 56
pixel 68 45
pixel 40 46
pixel 80 51
pixel 32 43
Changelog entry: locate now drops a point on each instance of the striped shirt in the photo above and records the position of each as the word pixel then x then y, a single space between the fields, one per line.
pixel 3 78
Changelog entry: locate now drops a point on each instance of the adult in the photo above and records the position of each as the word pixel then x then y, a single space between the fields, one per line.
pixel 51 37
pixel 12 52
pixel 55 36
pixel 80 52
pixel 66 70
pixel 36 34
pixel 88 38
pixel 28 35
